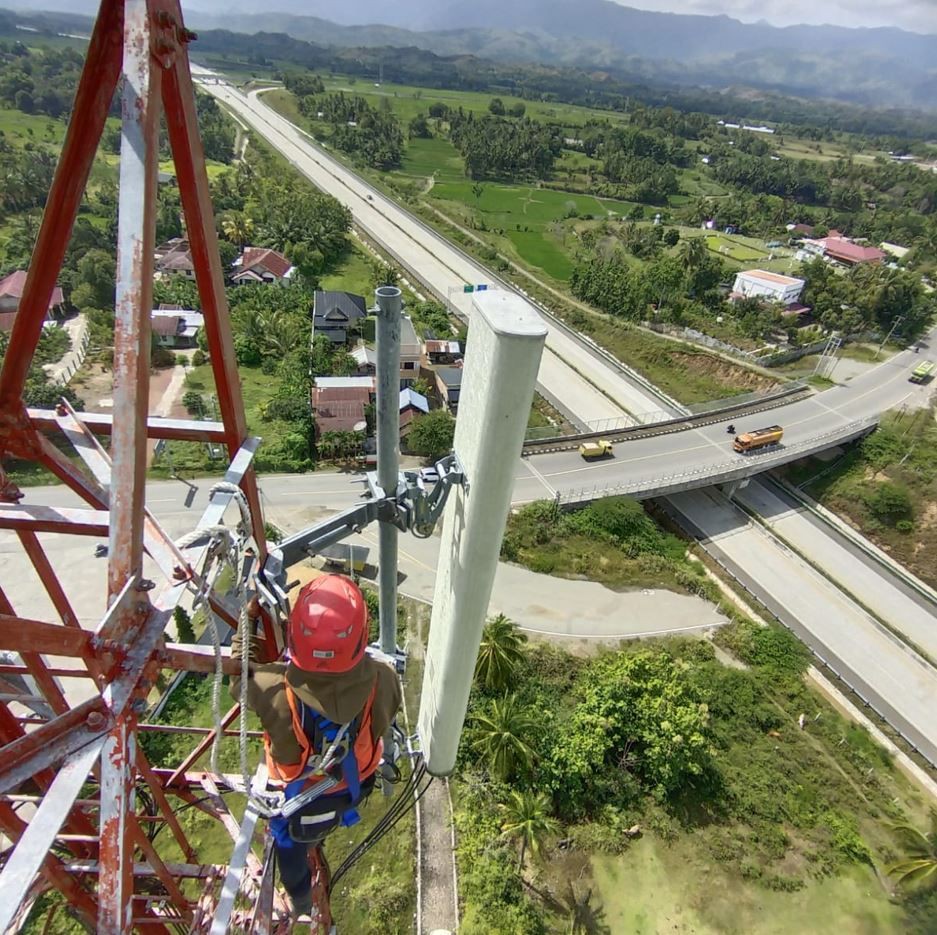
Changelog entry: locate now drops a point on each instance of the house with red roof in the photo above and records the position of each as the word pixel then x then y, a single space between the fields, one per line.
pixel 261 265
pixel 840 249
pixel 11 293
pixel 843 250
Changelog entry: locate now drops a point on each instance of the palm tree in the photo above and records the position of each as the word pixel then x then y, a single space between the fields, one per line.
pixel 527 819
pixel 237 228
pixel 501 650
pixel 919 865
pixel 498 737
pixel 693 251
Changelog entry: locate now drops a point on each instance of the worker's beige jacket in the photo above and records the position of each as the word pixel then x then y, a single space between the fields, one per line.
pixel 339 697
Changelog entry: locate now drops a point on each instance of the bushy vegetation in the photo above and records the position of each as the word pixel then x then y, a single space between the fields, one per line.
pixel 886 485
pixel 664 738
pixel 497 148
pixel 613 541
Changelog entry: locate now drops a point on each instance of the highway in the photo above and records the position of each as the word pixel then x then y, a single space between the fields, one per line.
pixel 435 262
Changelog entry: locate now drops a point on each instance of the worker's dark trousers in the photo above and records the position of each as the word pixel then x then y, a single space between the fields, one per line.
pixel 291 857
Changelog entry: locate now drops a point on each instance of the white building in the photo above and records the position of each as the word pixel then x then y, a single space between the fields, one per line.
pixel 760 283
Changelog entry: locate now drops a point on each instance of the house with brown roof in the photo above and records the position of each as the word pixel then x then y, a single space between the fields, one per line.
pixel 844 251
pixel 261 265
pixel 177 328
pixel 340 409
pixel 173 258
pixel 442 352
pixel 11 294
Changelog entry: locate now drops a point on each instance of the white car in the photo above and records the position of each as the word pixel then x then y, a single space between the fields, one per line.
pixel 429 475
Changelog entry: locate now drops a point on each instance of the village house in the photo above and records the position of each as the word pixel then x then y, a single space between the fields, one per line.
pixel 336 313
pixel 176 328
pixel 442 352
pixel 11 293
pixel 261 265
pixel 173 258
pixel 762 284
pixel 449 384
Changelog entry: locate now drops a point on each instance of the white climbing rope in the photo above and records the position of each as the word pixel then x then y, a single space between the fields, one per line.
pixel 225 548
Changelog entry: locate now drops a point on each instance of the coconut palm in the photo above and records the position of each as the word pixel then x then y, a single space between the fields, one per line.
pixel 919 865
pixel 693 251
pixel 527 819
pixel 237 227
pixel 501 650
pixel 498 737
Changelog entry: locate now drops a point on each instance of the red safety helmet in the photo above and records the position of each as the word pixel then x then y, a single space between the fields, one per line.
pixel 328 625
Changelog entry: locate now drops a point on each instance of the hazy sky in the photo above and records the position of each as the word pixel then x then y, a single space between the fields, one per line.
pixel 916 15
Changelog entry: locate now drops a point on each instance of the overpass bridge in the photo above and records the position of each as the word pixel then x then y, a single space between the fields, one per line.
pixel 727 471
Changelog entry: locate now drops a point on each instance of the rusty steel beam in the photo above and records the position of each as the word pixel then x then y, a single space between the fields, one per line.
pixel 200 749
pixel 35 518
pixel 189 159
pixel 50 581
pixel 29 653
pixel 41 832
pixel 58 672
pixel 79 899
pixel 30 755
pixel 162 802
pixel 92 101
pixel 19 634
pixel 136 234
pixel 182 430
pixel 115 879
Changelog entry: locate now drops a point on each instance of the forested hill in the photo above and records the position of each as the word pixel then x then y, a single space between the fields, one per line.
pixel 595 86
pixel 867 66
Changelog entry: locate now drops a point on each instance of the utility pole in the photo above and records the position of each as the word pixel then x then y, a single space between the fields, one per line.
pixel 887 337
pixel 389 306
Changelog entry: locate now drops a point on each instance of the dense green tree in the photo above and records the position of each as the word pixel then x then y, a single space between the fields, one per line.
pixel 496 106
pixel 95 281
pixel 432 434
pixel 418 128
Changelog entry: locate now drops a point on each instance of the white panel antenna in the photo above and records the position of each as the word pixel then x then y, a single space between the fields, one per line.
pixel 502 360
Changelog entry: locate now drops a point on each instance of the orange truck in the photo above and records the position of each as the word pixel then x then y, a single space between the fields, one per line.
pixel 758 439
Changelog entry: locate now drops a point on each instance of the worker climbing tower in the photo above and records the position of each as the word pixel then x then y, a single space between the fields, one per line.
pixel 81 806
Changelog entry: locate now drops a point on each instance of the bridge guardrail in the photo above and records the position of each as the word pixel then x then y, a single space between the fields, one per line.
pixel 624 432
pixel 720 472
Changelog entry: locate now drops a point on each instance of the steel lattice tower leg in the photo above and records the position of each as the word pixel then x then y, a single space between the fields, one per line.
pixel 71 764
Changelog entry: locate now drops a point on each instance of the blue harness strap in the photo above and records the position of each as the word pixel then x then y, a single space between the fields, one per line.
pixel 321 732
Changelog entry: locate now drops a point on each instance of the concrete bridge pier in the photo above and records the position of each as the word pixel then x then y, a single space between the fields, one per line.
pixel 733 487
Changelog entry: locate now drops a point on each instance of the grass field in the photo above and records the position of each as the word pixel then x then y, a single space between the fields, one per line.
pixel 434 158
pixel 31 128
pixel 655 888
pixel 528 217
pixel 352 275
pixel 407 101
pixel 733 249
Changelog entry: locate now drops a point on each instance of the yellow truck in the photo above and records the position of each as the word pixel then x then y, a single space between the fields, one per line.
pixel 748 442
pixel 599 449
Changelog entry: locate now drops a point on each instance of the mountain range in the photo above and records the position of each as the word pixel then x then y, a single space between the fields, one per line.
pixel 882 67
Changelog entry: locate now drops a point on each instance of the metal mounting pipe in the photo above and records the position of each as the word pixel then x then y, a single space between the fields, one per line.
pixel 388 451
